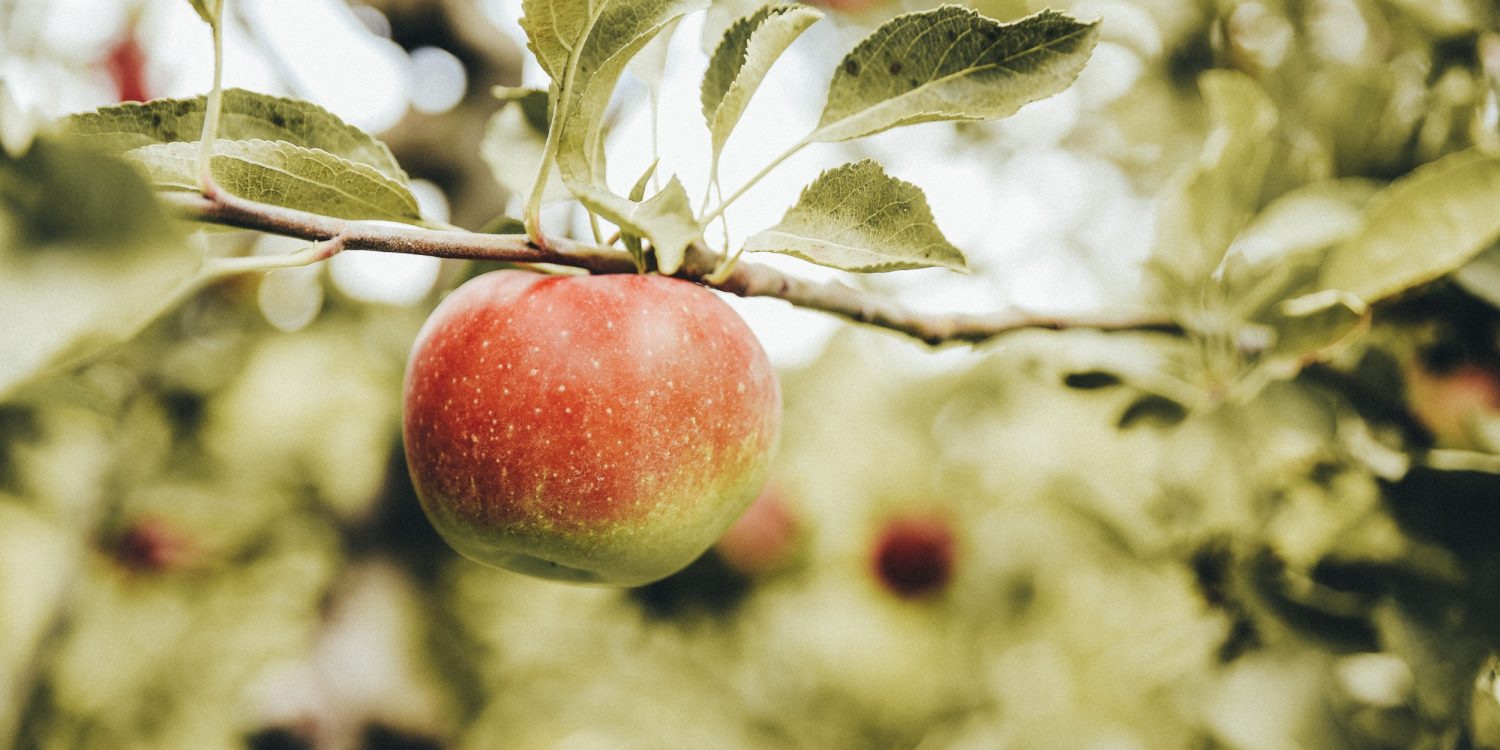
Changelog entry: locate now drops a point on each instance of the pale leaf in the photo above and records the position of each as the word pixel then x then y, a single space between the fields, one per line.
pixel 858 218
pixel 246 115
pixel 283 174
pixel 749 47
pixel 952 63
pixel 1423 226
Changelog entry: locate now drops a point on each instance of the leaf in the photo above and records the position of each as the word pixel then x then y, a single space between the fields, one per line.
pixel 1314 327
pixel 1423 226
pixel 246 115
pixel 86 256
pixel 208 10
pixel 282 174
pixel 638 193
pixel 1481 276
pixel 1308 218
pixel 858 218
pixel 951 63
pixel 619 30
pixel 667 218
pixel 650 64
pixel 587 48
pixel 514 142
pixel 1215 199
pixel 503 224
pixel 721 14
pixel 748 49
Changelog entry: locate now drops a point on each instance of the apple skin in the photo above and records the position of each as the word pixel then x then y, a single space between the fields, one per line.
pixel 594 429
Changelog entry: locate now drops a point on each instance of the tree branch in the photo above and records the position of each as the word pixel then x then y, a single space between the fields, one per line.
pixel 746 280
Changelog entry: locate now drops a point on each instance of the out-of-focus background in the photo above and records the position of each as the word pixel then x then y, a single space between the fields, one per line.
pixel 208 539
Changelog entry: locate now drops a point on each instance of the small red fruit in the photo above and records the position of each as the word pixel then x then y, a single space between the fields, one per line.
pixel 601 429
pixel 762 539
pixel 913 556
pixel 126 63
pixel 1448 404
pixel 152 545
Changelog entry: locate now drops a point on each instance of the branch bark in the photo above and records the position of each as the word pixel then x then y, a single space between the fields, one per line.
pixel 746 280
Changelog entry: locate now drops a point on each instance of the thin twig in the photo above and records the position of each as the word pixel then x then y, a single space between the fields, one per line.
pixel 746 280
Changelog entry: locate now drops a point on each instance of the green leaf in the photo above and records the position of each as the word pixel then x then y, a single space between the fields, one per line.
pixel 246 115
pixel 858 218
pixel 618 30
pixel 586 48
pixel 638 193
pixel 1423 226
pixel 1216 198
pixel 721 14
pixel 555 29
pixel 1481 276
pixel 86 256
pixel 667 218
pixel 282 174
pixel 503 224
pixel 1314 327
pixel 749 47
pixel 514 143
pixel 1311 217
pixel 650 63
pixel 951 63
pixel 208 10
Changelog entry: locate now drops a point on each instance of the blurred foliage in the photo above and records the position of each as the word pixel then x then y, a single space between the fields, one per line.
pixel 1279 531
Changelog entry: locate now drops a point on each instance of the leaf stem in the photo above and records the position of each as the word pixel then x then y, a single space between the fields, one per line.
pixel 531 214
pixel 725 203
pixel 214 104
pixel 218 268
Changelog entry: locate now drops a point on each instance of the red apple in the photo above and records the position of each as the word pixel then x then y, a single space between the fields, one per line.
pixel 1448 403
pixel 601 429
pixel 913 556
pixel 126 63
pixel 763 539
pixel 153 545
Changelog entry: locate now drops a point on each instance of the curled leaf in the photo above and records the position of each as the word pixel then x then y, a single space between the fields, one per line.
pixel 740 62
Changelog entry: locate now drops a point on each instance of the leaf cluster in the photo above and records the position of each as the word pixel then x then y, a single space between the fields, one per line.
pixel 946 64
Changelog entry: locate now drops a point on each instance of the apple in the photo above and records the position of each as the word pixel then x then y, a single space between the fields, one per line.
pixel 153 545
pixel 595 429
pixel 1448 404
pixel 126 63
pixel 913 556
pixel 763 539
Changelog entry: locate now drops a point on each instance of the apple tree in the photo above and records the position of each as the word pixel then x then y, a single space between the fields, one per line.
pixel 1248 500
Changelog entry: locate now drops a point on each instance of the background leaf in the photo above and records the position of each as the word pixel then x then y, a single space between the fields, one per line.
pixel 515 141
pixel 86 255
pixel 740 62
pixel 951 63
pixel 282 174
pixel 1215 199
pixel 246 115
pixel 858 218
pixel 208 10
pixel 1423 226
